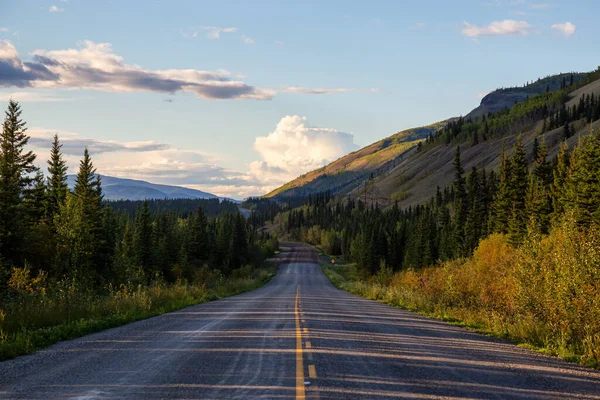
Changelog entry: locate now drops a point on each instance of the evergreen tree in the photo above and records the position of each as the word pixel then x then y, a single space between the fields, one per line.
pixel 560 175
pixel 461 204
pixel 583 183
pixel 474 220
pixel 502 201
pixel 57 179
pixel 16 165
pixel 518 193
pixel 142 240
pixel 198 252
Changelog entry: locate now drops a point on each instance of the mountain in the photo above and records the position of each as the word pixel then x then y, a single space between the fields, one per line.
pixel 131 189
pixel 503 98
pixel 352 170
pixel 409 166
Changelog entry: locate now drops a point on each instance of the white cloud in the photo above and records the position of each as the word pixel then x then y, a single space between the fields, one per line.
pixel 95 66
pixel 214 32
pixel 305 90
pixel 55 9
pixel 279 42
pixel 296 147
pixel 32 97
pixel 506 27
pixel 3 29
pixel 248 40
pixel 567 28
pixel 293 148
pixel 147 160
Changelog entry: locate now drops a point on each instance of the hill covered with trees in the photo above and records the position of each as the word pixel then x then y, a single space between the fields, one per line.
pixel 505 238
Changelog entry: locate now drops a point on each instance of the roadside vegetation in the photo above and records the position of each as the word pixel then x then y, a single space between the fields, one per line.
pixel 72 264
pixel 543 294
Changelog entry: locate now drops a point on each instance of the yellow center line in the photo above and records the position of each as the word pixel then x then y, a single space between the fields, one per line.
pixel 308 345
pixel 300 392
pixel 312 372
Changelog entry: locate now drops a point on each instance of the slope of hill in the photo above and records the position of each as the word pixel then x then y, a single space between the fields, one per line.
pixel 131 189
pixel 506 97
pixel 352 170
pixel 395 169
pixel 416 178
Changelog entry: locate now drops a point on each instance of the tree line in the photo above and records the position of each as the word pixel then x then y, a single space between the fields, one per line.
pixel 73 235
pixel 517 200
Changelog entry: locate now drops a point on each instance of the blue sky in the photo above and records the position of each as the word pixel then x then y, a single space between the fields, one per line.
pixel 236 97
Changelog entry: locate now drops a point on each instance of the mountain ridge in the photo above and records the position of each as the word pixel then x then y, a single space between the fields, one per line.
pixel 402 174
pixel 115 188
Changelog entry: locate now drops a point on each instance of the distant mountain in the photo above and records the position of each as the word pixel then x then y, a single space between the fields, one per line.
pixel 131 189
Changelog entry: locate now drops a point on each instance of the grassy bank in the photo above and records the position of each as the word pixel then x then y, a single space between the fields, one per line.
pixel 545 294
pixel 37 317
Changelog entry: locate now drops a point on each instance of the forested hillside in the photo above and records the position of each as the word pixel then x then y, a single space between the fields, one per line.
pixel 67 256
pixel 538 204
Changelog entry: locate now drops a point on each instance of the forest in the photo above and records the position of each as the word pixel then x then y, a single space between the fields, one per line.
pixel 67 256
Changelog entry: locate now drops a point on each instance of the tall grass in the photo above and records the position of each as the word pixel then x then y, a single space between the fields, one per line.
pixel 545 293
pixel 37 315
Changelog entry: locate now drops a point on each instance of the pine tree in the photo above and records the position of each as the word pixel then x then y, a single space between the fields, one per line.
pixel 35 199
pixel 198 252
pixel 474 219
pixel 57 180
pixel 539 199
pixel 502 201
pixel 461 205
pixel 142 240
pixel 560 175
pixel 16 165
pixel 583 184
pixel 518 193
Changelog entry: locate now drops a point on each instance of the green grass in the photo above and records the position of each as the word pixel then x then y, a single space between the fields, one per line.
pixel 37 320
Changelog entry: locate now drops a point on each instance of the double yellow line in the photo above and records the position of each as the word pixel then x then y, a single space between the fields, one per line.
pixel 300 392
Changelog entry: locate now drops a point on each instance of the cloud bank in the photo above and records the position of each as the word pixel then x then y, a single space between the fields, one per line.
pixel 292 149
pixel 95 66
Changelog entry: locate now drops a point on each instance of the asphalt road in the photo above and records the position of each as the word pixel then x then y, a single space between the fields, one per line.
pixel 296 337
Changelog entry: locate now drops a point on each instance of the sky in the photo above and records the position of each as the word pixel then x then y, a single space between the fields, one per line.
pixel 238 97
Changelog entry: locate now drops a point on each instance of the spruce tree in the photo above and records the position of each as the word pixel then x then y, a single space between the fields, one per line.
pixel 583 183
pixel 142 240
pixel 560 175
pixel 518 193
pixel 539 199
pixel 502 200
pixel 16 165
pixel 461 204
pixel 57 179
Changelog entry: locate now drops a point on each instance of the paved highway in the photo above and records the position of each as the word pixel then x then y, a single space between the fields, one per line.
pixel 295 338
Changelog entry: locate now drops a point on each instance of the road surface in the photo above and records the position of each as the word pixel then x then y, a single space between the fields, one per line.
pixel 297 337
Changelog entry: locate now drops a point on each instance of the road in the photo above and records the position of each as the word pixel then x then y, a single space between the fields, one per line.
pixel 296 337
